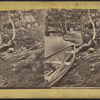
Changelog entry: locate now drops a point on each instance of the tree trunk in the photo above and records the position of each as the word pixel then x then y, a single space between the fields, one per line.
pixel 91 41
pixel 13 26
pixel 0 22
pixel 94 32
pixel 11 42
pixel 76 51
pixel 65 26
pixel 61 27
pixel 14 18
pixel 82 22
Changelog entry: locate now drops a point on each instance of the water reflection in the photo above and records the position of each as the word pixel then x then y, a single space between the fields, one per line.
pixel 54 44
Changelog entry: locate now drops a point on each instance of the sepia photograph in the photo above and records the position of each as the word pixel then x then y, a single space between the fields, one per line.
pixel 72 48
pixel 50 48
pixel 22 57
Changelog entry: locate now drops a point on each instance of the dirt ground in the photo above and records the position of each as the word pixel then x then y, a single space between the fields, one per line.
pixel 85 71
pixel 23 69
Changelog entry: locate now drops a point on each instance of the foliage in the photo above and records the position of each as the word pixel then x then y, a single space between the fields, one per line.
pixel 13 27
pixel 60 21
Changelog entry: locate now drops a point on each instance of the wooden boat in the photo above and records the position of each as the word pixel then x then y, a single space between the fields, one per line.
pixel 58 64
pixel 59 56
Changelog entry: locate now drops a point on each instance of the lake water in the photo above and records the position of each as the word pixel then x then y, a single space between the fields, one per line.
pixel 54 44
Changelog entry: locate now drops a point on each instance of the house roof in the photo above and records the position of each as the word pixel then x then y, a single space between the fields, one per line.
pixel 25 19
pixel 28 18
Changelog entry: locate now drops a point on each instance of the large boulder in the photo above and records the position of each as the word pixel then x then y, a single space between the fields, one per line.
pixel 74 37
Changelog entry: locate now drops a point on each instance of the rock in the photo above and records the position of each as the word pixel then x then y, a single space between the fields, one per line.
pixel 85 38
pixel 36 66
pixel 30 80
pixel 93 65
pixel 92 69
pixel 90 50
pixel 19 66
pixel 3 81
pixel 74 37
pixel 10 50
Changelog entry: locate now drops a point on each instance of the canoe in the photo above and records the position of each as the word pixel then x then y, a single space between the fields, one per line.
pixel 57 64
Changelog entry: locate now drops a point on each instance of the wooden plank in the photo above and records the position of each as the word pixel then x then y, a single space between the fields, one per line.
pixel 58 62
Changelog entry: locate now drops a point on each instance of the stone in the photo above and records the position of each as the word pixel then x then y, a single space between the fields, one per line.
pixel 90 50
pixel 74 37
